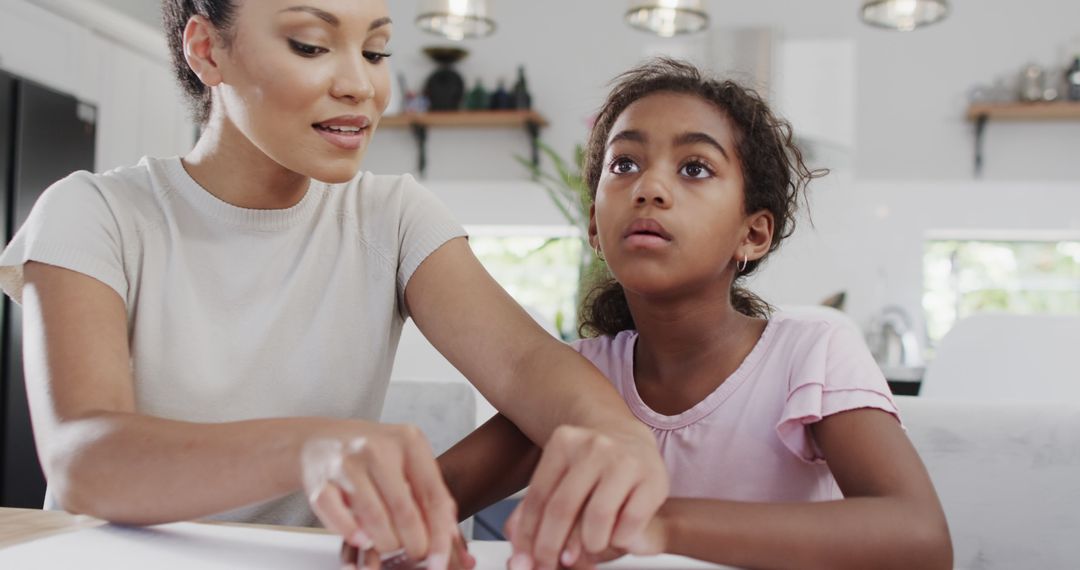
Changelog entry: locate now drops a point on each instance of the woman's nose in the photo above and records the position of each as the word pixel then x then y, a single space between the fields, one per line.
pixel 353 82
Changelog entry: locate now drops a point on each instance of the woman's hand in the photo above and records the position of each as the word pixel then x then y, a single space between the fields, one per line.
pixel 382 492
pixel 652 542
pixel 609 485
pixel 352 558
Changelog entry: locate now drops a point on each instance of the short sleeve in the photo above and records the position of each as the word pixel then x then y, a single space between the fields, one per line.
pixel 425 225
pixel 71 226
pixel 837 374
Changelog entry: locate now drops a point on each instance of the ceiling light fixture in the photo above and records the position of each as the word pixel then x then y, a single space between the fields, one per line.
pixel 668 18
pixel 456 19
pixel 904 15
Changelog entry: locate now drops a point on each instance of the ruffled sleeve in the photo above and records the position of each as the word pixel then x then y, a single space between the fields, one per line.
pixel 837 374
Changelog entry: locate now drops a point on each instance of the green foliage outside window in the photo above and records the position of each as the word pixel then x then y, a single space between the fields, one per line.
pixel 965 277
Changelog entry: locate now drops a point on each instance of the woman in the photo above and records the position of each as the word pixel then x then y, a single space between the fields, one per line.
pixel 191 324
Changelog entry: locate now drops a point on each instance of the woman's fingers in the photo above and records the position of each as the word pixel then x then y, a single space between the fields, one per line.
pixel 635 520
pixel 369 510
pixel 528 514
pixel 614 483
pixel 460 559
pixel 329 505
pixel 384 493
pixel 602 512
pixel 440 511
pixel 573 551
pixel 561 513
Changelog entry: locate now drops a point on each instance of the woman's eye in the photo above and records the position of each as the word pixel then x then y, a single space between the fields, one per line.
pixel 306 50
pixel 695 170
pixel 376 56
pixel 623 166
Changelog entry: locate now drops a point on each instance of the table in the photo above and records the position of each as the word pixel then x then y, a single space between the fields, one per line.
pixel 31 539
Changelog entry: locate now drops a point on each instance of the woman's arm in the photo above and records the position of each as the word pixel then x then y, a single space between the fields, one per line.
pixel 890 516
pixel 104 459
pixel 610 472
pixel 490 464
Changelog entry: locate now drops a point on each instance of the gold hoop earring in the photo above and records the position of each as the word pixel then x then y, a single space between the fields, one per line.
pixel 599 254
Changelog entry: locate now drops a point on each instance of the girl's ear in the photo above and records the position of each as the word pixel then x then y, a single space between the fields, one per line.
pixel 200 41
pixel 594 241
pixel 759 233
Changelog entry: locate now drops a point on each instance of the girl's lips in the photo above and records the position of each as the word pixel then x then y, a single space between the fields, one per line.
pixel 646 241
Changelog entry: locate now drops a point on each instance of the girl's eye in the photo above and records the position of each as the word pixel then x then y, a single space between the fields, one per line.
pixel 306 50
pixel 695 170
pixel 623 165
pixel 376 57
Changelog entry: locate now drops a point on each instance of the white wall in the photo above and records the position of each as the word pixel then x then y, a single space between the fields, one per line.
pixel 911 88
pixel 908 171
pixel 140 112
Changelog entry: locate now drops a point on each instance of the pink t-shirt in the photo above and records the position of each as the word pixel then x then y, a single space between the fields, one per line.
pixel 750 439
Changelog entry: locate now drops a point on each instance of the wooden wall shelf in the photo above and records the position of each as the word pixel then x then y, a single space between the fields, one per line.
pixel 465 119
pixel 419 123
pixel 981 113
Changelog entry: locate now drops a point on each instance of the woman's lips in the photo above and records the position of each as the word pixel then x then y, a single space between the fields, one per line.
pixel 346 132
pixel 348 140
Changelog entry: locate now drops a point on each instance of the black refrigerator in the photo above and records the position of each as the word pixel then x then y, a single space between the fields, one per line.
pixel 44 136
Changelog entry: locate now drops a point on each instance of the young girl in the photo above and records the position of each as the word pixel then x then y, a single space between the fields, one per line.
pixel 779 433
pixel 193 323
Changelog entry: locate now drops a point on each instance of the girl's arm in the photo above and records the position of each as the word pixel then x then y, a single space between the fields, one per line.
pixel 103 459
pixel 490 464
pixel 890 516
pixel 610 472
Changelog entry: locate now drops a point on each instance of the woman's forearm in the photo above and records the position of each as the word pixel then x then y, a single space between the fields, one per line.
pixel 861 532
pixel 137 469
pixel 563 388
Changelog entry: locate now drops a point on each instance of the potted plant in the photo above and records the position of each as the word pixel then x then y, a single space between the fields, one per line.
pixel 565 185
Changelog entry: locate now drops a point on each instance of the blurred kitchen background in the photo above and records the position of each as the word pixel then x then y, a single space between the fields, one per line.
pixel 954 147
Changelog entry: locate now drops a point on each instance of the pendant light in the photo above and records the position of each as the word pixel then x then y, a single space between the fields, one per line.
pixel 667 18
pixel 456 19
pixel 904 15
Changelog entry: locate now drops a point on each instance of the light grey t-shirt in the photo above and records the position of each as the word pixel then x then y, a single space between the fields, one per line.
pixel 236 314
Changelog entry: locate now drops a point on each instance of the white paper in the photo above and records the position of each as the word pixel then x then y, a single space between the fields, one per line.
pixel 190 546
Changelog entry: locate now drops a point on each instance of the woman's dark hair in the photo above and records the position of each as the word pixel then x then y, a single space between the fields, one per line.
pixel 174 18
pixel 774 172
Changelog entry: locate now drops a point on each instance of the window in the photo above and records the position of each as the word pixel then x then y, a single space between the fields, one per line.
pixel 538 266
pixel 1023 273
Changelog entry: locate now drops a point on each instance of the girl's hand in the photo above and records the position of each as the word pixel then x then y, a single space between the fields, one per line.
pixel 383 492
pixel 613 485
